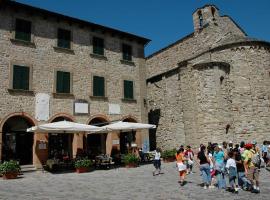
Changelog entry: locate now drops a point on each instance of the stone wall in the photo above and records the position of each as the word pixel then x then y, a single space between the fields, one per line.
pixel 217 87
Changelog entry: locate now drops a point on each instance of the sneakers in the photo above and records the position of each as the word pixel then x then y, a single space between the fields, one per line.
pixel 205 187
pixel 255 191
pixel 211 187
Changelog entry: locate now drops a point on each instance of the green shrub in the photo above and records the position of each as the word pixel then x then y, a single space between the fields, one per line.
pixel 9 166
pixel 131 159
pixel 168 153
pixel 83 163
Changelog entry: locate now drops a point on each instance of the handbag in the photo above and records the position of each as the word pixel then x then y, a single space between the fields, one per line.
pixel 190 162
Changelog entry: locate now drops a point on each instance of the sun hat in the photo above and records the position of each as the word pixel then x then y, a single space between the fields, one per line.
pixel 254 142
pixel 219 146
pixel 230 142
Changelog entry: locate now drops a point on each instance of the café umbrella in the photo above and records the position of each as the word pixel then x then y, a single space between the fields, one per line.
pixel 127 126
pixel 64 127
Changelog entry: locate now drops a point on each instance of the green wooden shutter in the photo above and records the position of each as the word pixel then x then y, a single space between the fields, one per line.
pixel 23 30
pixel 20 77
pixel 128 89
pixel 66 80
pixel 127 52
pixel 98 46
pixel 98 86
pixel 64 38
pixel 63 82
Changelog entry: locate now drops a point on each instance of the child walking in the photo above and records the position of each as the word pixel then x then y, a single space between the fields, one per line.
pixel 231 167
pixel 180 159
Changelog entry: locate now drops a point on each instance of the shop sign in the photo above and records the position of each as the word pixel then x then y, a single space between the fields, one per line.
pixel 115 142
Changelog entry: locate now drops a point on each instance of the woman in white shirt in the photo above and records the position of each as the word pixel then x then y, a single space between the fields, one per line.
pixel 157 162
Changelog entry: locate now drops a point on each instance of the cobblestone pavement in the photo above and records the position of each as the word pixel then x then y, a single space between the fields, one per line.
pixel 121 183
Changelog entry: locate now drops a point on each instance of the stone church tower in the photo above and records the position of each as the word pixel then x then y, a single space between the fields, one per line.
pixel 210 86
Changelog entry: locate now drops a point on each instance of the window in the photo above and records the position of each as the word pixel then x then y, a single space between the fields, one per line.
pixel 200 19
pixel 98 86
pixel 98 46
pixel 64 38
pixel 20 77
pixel 127 52
pixel 62 82
pixel 23 30
pixel 128 89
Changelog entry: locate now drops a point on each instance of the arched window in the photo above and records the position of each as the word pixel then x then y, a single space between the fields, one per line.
pixel 200 19
pixel 213 10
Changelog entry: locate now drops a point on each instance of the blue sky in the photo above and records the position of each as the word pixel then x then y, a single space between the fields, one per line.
pixel 162 21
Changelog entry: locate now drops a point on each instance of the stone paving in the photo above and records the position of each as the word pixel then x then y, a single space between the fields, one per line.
pixel 121 183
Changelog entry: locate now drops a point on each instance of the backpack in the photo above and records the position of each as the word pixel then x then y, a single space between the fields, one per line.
pixel 256 160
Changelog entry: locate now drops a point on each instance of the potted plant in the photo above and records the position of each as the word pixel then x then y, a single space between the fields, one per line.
pixel 168 155
pixel 10 169
pixel 131 160
pixel 83 165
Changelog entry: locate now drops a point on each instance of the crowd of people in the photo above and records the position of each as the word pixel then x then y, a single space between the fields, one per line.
pixel 226 166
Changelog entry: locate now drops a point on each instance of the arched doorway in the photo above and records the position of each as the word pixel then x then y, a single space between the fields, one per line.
pixel 127 137
pixel 96 143
pixel 17 143
pixel 60 144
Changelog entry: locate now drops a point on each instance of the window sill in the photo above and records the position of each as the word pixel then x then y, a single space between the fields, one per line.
pixel 23 43
pixel 98 56
pixel 129 100
pixel 99 98
pixel 127 62
pixel 20 91
pixel 64 50
pixel 63 95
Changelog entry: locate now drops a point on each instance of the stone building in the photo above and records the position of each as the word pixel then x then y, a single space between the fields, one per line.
pixel 54 67
pixel 212 85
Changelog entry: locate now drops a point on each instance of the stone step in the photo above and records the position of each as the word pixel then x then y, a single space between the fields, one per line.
pixel 28 168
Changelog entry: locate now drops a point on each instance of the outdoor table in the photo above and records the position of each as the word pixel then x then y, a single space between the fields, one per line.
pixel 103 160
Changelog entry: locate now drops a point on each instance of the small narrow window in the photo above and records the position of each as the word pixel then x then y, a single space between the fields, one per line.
pixel 23 30
pixel 200 19
pixel 98 86
pixel 213 10
pixel 128 89
pixel 98 46
pixel 63 82
pixel 20 77
pixel 64 38
pixel 127 52
pixel 221 78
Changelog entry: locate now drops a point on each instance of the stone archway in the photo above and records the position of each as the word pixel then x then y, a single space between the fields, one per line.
pixel 17 144
pixel 60 144
pixel 127 138
pixel 96 144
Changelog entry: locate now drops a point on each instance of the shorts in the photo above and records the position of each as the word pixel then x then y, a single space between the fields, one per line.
pixel 253 174
pixel 157 164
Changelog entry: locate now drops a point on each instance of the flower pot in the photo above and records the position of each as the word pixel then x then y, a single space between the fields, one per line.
pixel 10 175
pixel 82 170
pixel 169 159
pixel 131 165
